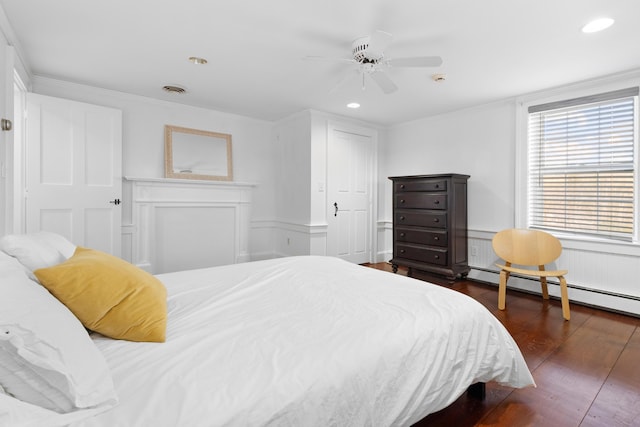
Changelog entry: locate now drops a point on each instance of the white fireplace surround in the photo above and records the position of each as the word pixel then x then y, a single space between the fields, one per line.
pixel 176 224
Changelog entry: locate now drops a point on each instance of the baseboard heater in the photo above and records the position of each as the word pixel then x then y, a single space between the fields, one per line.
pixel 569 285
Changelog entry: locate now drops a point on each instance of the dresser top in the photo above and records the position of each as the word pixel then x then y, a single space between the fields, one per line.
pixel 441 175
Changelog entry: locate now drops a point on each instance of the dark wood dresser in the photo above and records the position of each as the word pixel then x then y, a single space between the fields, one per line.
pixel 430 224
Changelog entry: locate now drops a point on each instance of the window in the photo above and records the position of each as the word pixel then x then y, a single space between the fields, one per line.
pixel 581 176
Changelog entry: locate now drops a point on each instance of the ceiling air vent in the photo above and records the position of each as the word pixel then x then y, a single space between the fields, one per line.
pixel 173 89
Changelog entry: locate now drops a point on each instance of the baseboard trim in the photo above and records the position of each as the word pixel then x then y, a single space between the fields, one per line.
pixel 595 298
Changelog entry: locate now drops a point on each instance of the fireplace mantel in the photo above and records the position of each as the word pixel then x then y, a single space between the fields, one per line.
pixel 175 224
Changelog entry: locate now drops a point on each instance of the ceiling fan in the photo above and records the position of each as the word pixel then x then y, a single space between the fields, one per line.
pixel 368 56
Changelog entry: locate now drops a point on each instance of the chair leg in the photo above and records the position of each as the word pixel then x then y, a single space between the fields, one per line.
pixel 564 297
pixel 545 288
pixel 502 289
pixel 543 284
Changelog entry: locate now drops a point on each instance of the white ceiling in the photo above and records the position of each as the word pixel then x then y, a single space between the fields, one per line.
pixel 492 49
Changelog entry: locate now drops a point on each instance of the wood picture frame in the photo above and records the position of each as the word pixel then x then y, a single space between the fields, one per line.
pixel 197 154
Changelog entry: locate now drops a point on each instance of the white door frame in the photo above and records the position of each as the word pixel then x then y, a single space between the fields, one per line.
pixel 15 191
pixel 333 126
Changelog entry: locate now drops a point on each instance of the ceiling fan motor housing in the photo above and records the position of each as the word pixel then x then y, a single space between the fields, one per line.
pixel 359 50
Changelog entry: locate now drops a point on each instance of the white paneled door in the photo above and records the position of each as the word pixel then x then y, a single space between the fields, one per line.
pixel 349 164
pixel 74 171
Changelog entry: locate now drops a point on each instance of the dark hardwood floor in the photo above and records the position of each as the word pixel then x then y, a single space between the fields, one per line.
pixel 587 370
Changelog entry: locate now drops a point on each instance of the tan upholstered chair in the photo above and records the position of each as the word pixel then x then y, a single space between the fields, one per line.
pixel 529 248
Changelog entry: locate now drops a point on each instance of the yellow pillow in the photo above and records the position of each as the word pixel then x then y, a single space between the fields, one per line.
pixel 109 295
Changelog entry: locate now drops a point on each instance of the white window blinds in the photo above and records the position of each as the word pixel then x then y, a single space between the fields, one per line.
pixel 581 165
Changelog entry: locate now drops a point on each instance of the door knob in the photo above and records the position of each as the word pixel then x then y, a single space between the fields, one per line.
pixel 6 124
pixel 115 201
pixel 335 205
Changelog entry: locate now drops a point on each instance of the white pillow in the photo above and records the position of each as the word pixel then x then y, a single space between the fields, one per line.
pixel 46 356
pixel 14 412
pixel 37 250
pixel 8 264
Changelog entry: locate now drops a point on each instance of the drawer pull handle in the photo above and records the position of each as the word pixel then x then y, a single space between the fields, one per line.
pixel 401 251
pixel 401 217
pixel 436 257
pixel 436 220
pixel 436 238
pixel 401 185
pixel 402 234
pixel 436 202
pixel 437 185
pixel 401 200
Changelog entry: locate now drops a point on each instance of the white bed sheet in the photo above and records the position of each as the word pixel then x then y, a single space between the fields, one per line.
pixel 306 341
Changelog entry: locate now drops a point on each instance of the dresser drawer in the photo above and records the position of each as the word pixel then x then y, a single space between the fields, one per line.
pixel 422 236
pixel 421 253
pixel 421 201
pixel 421 219
pixel 430 185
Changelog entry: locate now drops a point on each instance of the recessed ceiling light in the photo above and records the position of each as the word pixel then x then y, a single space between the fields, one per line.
pixel 597 25
pixel 198 61
pixel 353 105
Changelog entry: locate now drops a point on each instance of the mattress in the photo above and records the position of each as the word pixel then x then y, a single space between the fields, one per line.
pixel 306 341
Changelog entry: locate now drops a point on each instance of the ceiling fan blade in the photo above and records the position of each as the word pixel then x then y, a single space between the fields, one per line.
pixel 343 79
pixel 326 58
pixel 416 61
pixel 378 42
pixel 383 80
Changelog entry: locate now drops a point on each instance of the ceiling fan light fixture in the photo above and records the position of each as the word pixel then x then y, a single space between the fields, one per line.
pixel 353 105
pixel 597 25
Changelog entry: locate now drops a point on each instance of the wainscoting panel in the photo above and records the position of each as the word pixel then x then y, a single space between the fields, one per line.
pixel 600 274
pixel 287 239
pixel 182 224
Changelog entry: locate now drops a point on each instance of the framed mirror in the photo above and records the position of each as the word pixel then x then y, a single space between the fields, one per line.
pixel 197 154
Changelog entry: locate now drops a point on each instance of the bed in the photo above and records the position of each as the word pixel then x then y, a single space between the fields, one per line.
pixel 298 341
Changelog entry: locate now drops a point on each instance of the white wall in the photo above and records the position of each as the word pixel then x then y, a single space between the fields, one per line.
pixel 286 161
pixel 481 142
pixel 477 142
pixel 143 138
pixel 301 140
pixel 292 149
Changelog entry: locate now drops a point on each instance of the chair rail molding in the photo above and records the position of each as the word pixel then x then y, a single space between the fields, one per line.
pixel 175 224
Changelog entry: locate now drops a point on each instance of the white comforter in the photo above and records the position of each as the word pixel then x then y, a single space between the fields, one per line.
pixel 306 341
